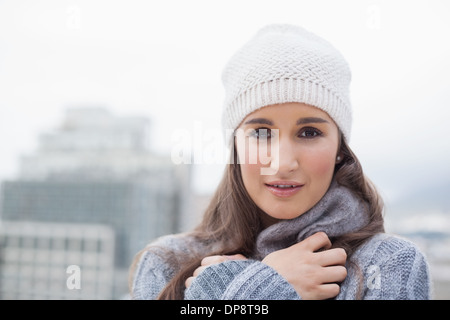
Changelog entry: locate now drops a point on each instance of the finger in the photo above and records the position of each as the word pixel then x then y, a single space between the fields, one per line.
pixel 199 270
pixel 221 258
pixel 188 281
pixel 333 274
pixel 236 257
pixel 317 241
pixel 331 257
pixel 329 290
pixel 213 260
pixel 206 261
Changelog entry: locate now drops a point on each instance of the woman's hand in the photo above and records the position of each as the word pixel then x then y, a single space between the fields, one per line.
pixel 210 260
pixel 313 274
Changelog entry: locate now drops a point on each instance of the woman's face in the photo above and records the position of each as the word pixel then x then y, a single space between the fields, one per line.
pixel 287 154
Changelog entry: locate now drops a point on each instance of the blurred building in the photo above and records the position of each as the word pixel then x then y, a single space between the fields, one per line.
pixel 54 261
pixel 98 169
pixel 429 228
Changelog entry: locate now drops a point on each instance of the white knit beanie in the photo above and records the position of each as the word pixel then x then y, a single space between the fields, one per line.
pixel 286 63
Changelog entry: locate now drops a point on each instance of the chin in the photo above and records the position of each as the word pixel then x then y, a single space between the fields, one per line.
pixel 284 214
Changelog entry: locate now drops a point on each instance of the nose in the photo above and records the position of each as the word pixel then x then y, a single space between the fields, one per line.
pixel 284 160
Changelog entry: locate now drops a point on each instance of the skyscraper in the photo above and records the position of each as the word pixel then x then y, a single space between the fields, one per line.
pixel 53 261
pixel 98 169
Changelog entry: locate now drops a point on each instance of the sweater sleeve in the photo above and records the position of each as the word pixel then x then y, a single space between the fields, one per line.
pixel 240 280
pixel 404 275
pixel 150 277
pixel 154 269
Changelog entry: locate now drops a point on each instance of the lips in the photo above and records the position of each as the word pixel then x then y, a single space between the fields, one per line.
pixel 284 189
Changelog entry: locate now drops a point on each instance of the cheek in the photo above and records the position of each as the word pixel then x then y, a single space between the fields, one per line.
pixel 249 161
pixel 318 162
pixel 250 172
pixel 250 176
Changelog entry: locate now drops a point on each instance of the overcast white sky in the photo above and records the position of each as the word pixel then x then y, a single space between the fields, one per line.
pixel 163 59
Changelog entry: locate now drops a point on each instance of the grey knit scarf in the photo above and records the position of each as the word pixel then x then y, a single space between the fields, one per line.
pixel 339 212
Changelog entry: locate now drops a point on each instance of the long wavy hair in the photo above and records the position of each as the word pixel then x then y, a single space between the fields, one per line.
pixel 232 221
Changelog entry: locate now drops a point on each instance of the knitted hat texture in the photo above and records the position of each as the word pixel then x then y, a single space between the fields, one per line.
pixel 286 63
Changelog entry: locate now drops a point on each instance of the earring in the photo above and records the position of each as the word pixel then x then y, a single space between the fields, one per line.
pixel 338 158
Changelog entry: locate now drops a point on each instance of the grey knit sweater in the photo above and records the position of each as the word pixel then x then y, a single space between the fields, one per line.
pixel 388 267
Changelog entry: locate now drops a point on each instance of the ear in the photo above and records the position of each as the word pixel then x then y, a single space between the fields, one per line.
pixel 340 153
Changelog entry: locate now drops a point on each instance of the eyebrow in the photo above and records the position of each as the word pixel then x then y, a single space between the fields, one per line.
pixel 311 120
pixel 299 121
pixel 260 121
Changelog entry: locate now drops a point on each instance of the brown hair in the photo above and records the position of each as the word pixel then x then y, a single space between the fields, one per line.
pixel 232 220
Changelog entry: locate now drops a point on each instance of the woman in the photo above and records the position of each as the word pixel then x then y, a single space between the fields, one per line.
pixel 294 217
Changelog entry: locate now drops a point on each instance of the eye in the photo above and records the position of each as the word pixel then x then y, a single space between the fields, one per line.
pixel 309 133
pixel 261 133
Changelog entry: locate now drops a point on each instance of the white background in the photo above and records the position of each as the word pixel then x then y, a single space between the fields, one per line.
pixel 163 59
